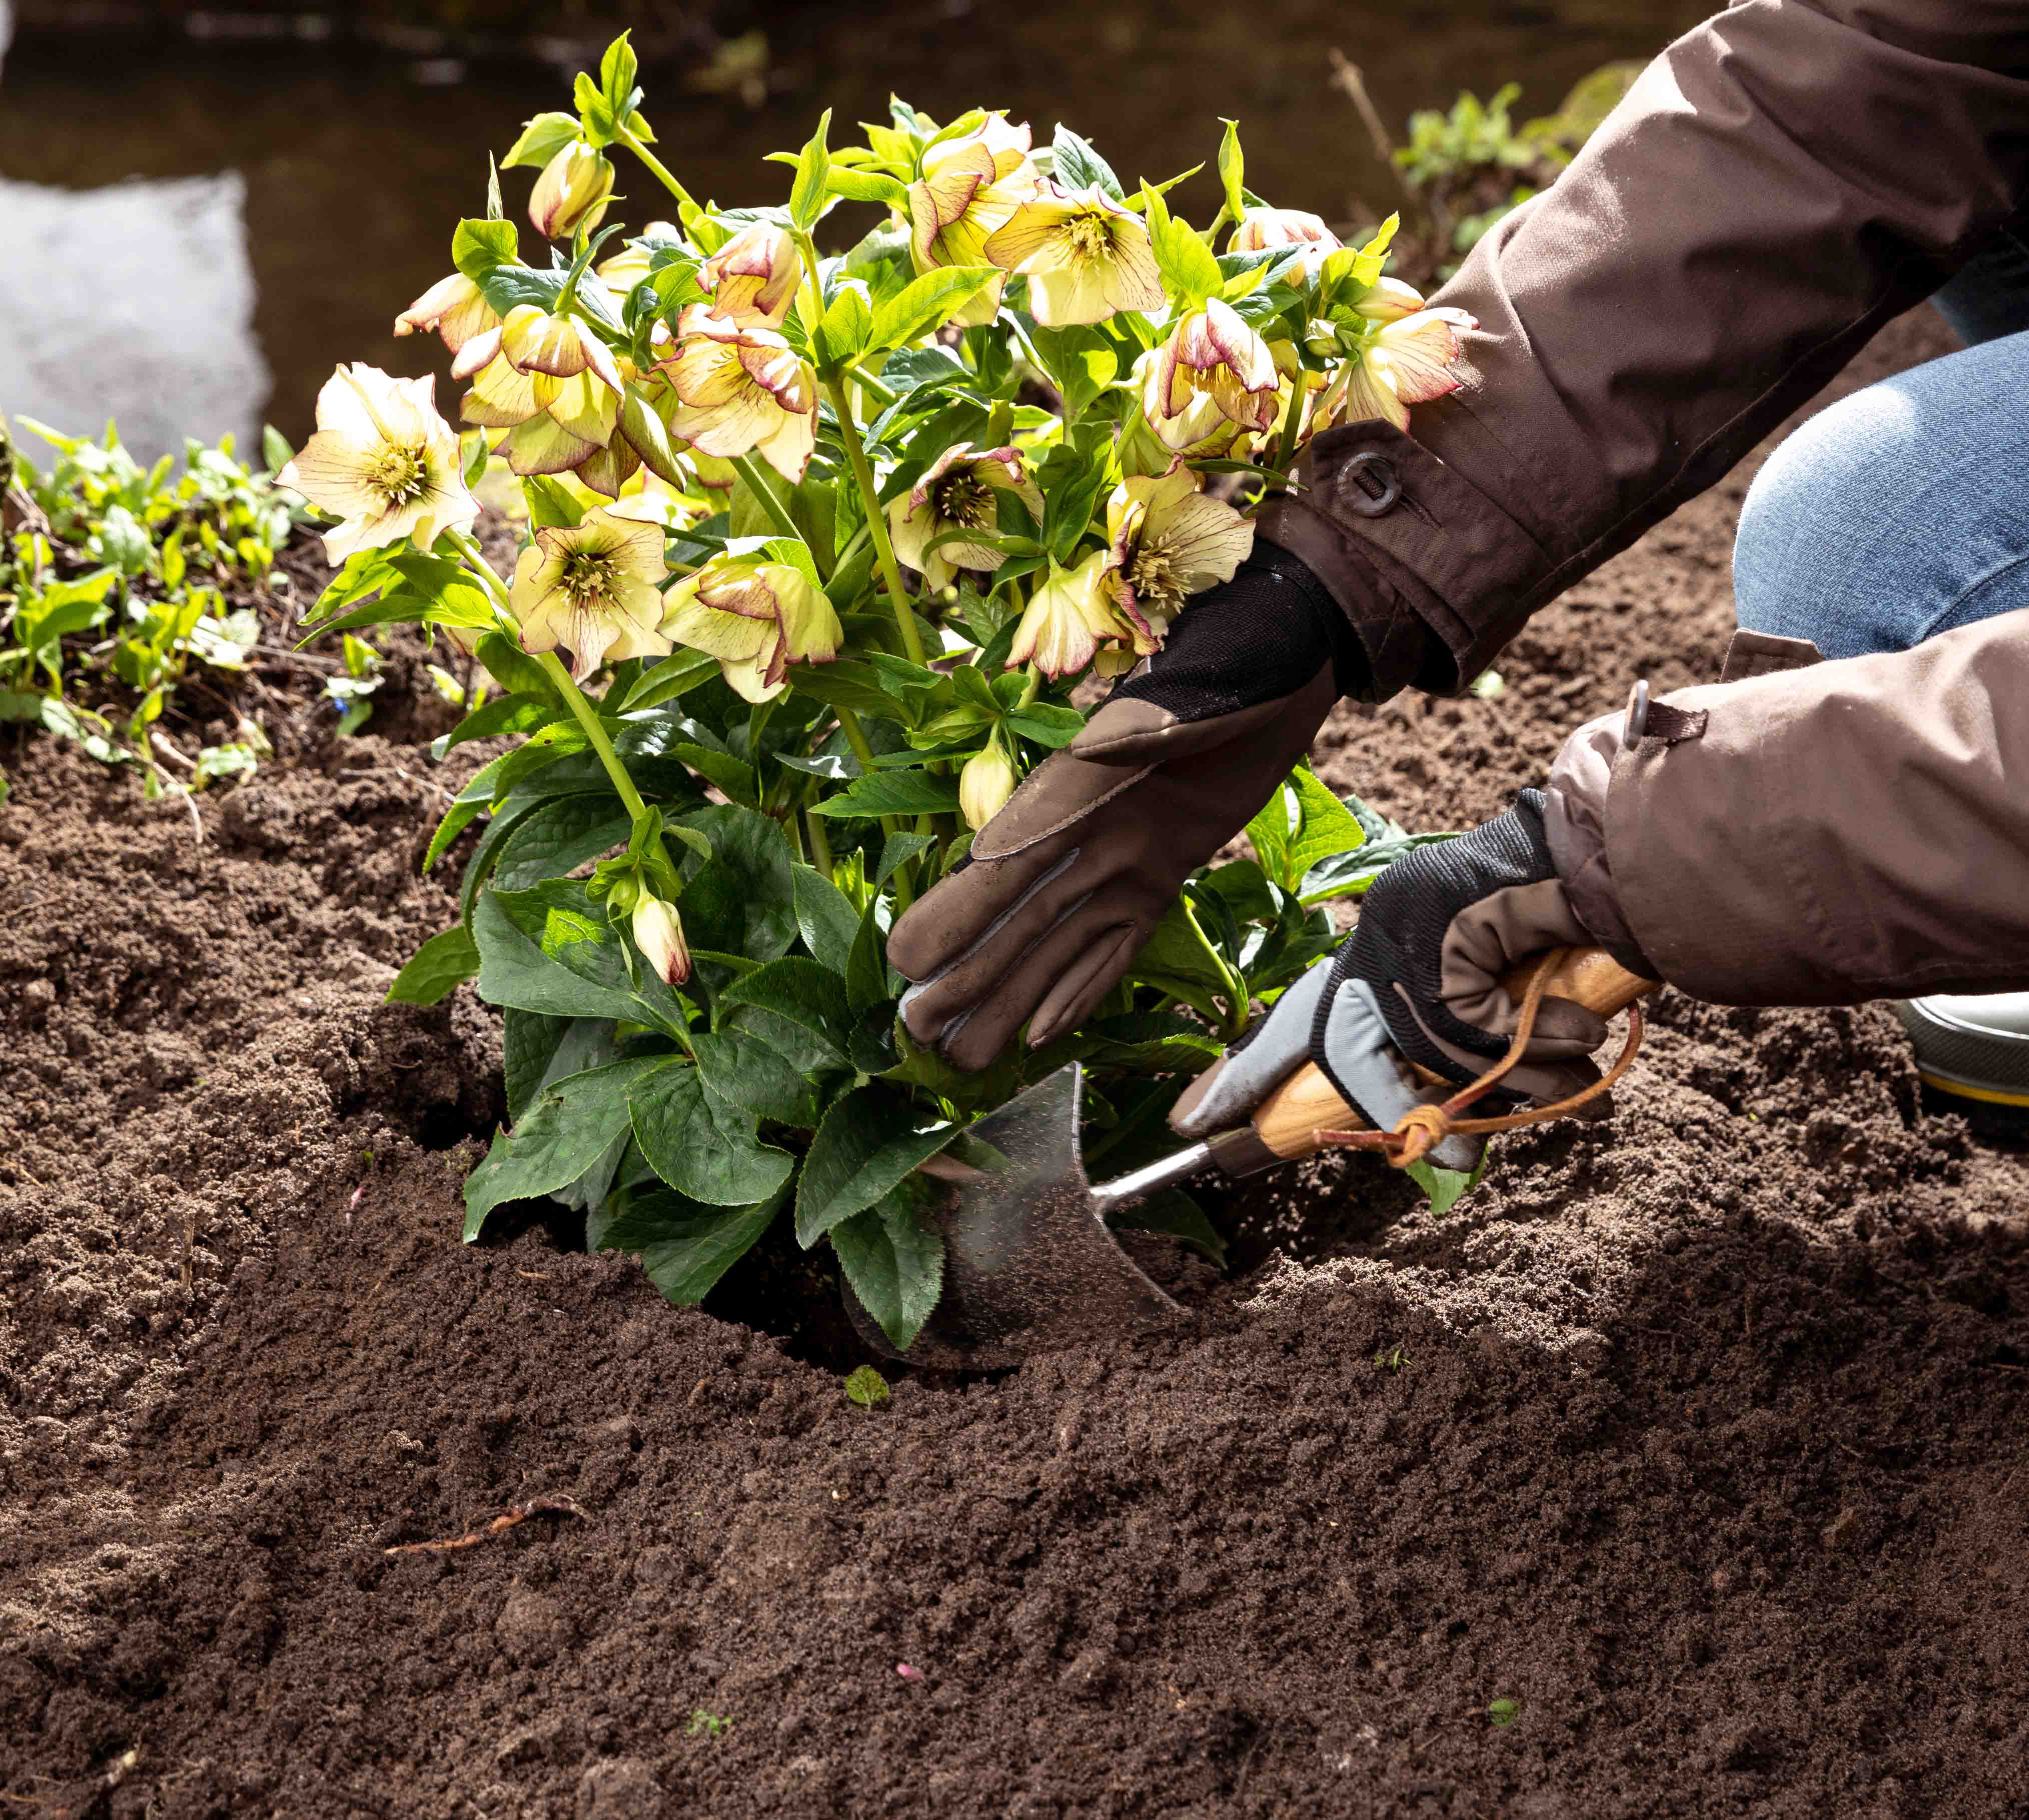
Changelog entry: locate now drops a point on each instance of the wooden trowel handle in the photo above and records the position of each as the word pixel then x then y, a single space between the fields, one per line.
pixel 1291 1117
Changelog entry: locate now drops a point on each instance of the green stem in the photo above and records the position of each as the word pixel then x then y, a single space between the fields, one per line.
pixel 855 737
pixel 468 547
pixel 820 842
pixel 594 732
pixel 663 173
pixel 757 484
pixel 1292 423
pixel 877 522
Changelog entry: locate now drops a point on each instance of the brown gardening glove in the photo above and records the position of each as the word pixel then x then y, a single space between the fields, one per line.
pixel 1064 885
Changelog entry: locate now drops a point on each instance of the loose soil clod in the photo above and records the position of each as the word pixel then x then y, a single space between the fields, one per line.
pixel 1706 1569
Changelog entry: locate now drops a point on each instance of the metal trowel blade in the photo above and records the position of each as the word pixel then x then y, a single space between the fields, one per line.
pixel 1029 1264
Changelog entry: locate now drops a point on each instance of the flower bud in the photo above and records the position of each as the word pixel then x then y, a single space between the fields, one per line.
pixel 658 932
pixel 985 784
pixel 572 192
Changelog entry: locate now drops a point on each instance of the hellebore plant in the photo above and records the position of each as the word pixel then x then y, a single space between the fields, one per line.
pixel 815 546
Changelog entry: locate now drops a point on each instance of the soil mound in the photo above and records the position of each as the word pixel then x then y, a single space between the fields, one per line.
pixel 1681 1469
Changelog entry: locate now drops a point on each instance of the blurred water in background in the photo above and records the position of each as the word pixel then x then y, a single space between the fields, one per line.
pixel 195 232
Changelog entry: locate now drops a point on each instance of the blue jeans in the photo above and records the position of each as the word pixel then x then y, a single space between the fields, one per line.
pixel 1903 510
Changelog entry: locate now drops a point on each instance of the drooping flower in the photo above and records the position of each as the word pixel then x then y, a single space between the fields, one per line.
pixel 1085 256
pixel 1263 227
pixel 1168 540
pixel 635 261
pixel 1211 354
pixel 1390 301
pixel 658 933
pixel 1408 362
pixel 572 192
pixel 752 279
pixel 454 307
pixel 744 389
pixel 757 617
pixel 969 190
pixel 1069 618
pixel 985 783
pixel 650 500
pixel 384 461
pixel 961 492
pixel 550 382
pixel 591 588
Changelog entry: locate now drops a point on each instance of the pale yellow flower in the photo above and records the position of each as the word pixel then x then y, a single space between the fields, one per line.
pixel 1069 618
pixel 752 279
pixel 1261 229
pixel 1408 362
pixel 634 262
pixel 454 307
pixel 572 192
pixel 658 933
pixel 1169 540
pixel 969 189
pixel 961 492
pixel 757 617
pixel 591 588
pixel 550 382
pixel 1211 354
pixel 1390 301
pixel 1086 257
pixel 384 461
pixel 650 500
pixel 743 389
pixel 985 783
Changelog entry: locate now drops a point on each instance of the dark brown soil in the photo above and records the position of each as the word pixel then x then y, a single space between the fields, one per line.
pixel 1699 1436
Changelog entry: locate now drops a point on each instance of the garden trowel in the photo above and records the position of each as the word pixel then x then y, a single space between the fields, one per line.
pixel 1029 1265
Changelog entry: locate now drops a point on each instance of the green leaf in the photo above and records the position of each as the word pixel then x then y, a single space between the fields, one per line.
pixel 894 1262
pixel 1233 172
pixel 743 1070
pixel 844 331
pixel 538 1050
pixel 896 851
pixel 540 140
pixel 512 668
pixel 927 302
pixel 546 840
pixel 678 674
pixel 868 186
pixel 685 1245
pixel 1174 1212
pixel 616 71
pixel 649 437
pixel 866 968
pixel 1077 166
pixel 743 900
pixel 552 949
pixel 1354 873
pixel 478 248
pixel 735 776
pixel 1445 1186
pixel 826 917
pixel 868 1141
pixel 865 1386
pixel 569 1129
pixel 507 713
pixel 892 793
pixel 440 966
pixel 1187 262
pixel 807 193
pixel 799 1005
pixel 701 1145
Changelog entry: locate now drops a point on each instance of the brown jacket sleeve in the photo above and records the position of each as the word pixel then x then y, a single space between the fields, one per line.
pixel 1855 830
pixel 1780 182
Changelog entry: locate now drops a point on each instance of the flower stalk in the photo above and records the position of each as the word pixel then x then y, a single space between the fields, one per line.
pixel 877 523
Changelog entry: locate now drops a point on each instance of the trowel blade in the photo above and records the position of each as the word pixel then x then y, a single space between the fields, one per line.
pixel 1029 1264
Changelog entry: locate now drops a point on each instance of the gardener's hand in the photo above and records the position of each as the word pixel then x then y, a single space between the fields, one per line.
pixel 1065 884
pixel 1419 979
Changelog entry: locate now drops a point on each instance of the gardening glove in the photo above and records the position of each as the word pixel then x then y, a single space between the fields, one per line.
pixel 1419 979
pixel 1063 886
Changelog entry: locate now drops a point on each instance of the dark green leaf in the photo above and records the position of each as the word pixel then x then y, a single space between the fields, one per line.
pixel 745 1071
pixel 869 1141
pixel 539 1050
pixel 743 900
pixel 892 793
pixel 1077 166
pixel 897 850
pixel 686 1246
pixel 826 917
pixel 895 1262
pixel 799 1005
pixel 570 1128
pixel 866 968
pixel 699 1144
pixel 552 949
pixel 440 965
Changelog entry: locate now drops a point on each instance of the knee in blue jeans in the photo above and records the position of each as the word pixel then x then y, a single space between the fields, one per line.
pixel 1801 566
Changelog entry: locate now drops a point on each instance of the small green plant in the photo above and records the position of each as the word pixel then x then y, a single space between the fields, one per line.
pixel 704 1725
pixel 119 584
pixel 866 1387
pixel 1390 1358
pixel 1503 1712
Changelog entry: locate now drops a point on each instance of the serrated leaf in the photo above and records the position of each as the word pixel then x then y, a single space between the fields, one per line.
pixel 701 1145
pixel 807 192
pixel 570 1128
pixel 686 1246
pixel 537 1050
pixel 895 1262
pixel 892 793
pixel 869 1140
pixel 825 918
pixel 1077 166
pixel 440 966
pixel 799 1005
pixel 927 302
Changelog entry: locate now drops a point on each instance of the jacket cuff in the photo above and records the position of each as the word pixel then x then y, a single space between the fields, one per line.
pixel 1575 822
pixel 1434 577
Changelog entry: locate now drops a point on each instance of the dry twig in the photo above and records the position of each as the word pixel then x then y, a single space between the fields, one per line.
pixel 508 1518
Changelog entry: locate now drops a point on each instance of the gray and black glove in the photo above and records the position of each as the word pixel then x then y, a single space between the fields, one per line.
pixel 1064 885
